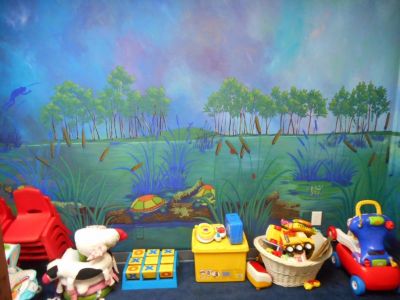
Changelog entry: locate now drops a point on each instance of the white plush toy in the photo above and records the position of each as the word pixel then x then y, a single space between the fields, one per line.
pixel 79 277
pixel 94 241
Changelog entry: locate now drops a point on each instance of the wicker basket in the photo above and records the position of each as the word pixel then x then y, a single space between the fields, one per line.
pixel 290 274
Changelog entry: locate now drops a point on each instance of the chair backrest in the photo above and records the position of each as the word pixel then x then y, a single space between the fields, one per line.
pixel 5 211
pixel 30 200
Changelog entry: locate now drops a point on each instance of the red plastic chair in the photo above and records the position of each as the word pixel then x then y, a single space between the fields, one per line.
pixel 38 227
pixel 6 215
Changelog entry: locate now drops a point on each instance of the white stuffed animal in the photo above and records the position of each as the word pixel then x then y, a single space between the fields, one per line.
pixel 94 241
pixel 77 276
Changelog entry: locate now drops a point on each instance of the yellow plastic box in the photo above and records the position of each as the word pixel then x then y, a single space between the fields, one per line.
pixel 219 261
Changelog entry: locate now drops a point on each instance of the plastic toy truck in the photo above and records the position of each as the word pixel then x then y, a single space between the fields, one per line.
pixel 288 241
pixel 362 253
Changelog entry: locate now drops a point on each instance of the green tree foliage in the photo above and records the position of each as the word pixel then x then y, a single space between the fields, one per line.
pixel 265 106
pixel 316 106
pixel 359 109
pixel 123 110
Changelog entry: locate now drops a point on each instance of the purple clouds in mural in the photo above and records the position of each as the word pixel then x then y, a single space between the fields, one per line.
pixel 190 47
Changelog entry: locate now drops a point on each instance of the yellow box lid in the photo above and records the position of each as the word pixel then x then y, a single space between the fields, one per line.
pixel 223 246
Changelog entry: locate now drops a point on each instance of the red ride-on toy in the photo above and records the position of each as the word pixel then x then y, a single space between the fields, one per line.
pixel 362 253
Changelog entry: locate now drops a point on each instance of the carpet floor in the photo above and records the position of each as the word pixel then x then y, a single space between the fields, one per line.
pixel 335 285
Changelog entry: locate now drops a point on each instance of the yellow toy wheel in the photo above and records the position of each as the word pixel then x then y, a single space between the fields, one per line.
pixel 205 233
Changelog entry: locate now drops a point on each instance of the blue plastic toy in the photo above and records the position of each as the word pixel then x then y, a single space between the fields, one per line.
pixel 234 228
pixel 371 231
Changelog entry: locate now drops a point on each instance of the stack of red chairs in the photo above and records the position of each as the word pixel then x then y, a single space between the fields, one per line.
pixel 37 227
pixel 6 215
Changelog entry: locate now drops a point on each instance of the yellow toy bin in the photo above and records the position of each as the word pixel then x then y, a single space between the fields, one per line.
pixel 219 261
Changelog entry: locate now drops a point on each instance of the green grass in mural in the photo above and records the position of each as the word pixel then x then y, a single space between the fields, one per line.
pixel 247 193
pixel 370 184
pixel 241 184
pixel 85 199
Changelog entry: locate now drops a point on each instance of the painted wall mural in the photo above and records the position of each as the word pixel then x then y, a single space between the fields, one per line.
pixel 157 115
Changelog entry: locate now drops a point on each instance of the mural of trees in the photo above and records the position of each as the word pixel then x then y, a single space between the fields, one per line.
pixel 119 109
pixel 234 107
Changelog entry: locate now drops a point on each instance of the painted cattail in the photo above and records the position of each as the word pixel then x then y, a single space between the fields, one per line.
pixel 387 121
pixel 242 150
pixel 66 137
pixel 218 148
pixel 104 154
pixel 52 150
pixel 43 161
pixel 277 136
pixel 350 146
pixel 387 155
pixel 83 139
pixel 368 139
pixel 244 144
pixel 257 123
pixel 232 148
pixel 371 159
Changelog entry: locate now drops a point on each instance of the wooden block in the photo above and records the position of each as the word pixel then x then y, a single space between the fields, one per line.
pixel 151 260
pixel 135 261
pixel 138 252
pixel 153 252
pixel 168 252
pixel 167 259
pixel 133 272
pixel 149 271
pixel 166 271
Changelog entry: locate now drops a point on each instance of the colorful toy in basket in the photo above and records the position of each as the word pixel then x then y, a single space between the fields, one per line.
pixel 150 269
pixel 362 251
pixel 90 271
pixel 293 253
pixel 291 239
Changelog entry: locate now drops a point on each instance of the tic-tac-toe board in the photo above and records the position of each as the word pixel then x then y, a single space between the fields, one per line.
pixel 150 269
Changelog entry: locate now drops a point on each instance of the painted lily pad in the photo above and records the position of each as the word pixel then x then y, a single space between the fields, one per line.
pixel 147 204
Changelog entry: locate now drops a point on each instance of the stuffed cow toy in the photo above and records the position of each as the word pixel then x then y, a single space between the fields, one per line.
pixel 90 269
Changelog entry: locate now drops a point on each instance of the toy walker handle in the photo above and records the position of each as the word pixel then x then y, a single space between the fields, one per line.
pixel 366 202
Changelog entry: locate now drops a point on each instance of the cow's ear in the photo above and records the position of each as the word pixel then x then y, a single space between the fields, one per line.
pixel 52 272
pixel 88 273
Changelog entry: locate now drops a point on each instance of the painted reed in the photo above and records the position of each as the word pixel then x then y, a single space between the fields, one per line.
pixel 371 159
pixel 244 144
pixel 368 139
pixel 218 148
pixel 232 148
pixel 350 146
pixel 258 126
pixel 104 154
pixel 276 137
pixel 387 121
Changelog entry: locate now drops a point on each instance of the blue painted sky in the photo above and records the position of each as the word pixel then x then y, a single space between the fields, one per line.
pixel 189 47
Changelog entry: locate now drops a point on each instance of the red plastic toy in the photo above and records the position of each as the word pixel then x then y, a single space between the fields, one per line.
pixel 361 252
pixel 37 227
pixel 366 278
pixel 6 216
